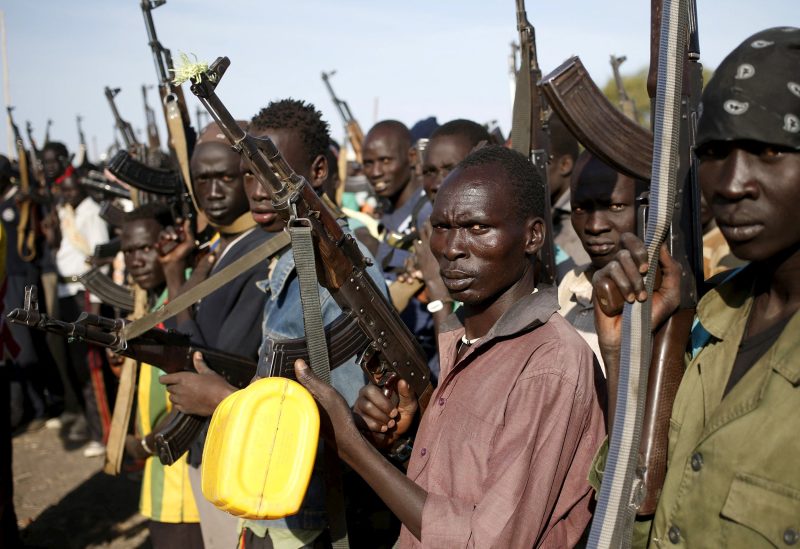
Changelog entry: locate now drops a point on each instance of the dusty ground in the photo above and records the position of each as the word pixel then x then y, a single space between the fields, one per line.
pixel 64 500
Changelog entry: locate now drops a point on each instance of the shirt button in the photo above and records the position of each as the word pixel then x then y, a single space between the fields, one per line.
pixel 441 401
pixel 790 536
pixel 697 461
pixel 674 534
pixel 423 452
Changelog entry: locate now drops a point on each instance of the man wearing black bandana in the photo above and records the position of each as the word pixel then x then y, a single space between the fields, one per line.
pixel 733 478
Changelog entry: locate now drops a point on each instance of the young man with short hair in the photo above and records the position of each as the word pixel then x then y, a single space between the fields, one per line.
pixel 501 455
pixel 732 477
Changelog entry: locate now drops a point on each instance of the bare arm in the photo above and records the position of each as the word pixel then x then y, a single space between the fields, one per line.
pixel 404 497
pixel 622 280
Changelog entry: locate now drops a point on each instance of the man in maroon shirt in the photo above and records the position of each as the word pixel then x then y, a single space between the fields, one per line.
pixel 502 453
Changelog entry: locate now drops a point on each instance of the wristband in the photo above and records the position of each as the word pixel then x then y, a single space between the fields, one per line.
pixel 436 305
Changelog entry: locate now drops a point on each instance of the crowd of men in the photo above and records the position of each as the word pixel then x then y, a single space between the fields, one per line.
pixel 510 450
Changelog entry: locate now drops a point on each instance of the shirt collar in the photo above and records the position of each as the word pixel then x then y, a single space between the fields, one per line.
pixel 720 311
pixel 531 311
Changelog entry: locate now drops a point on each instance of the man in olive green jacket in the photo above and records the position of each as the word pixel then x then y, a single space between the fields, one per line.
pixel 733 478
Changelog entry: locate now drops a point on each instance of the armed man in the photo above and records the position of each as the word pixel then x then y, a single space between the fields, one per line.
pixel 237 306
pixel 501 455
pixel 563 156
pixel 388 158
pixel 603 207
pixel 166 496
pixel 732 480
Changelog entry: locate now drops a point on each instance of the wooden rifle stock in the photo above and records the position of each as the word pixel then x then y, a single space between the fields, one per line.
pixel 28 212
pixel 628 148
pixel 354 133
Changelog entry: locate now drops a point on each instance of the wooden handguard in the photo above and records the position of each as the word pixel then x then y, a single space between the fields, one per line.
pixel 666 372
pixel 596 122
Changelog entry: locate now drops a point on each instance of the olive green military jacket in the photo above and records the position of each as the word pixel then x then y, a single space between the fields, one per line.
pixel 733 478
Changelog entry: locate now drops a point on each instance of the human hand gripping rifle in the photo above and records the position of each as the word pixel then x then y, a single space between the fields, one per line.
pixel 354 133
pixel 672 215
pixel 529 134
pixel 392 352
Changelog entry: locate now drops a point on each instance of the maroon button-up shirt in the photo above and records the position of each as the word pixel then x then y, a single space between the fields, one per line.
pixel 505 447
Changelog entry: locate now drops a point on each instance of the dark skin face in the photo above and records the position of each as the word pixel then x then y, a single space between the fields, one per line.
pixel 441 156
pixel 483 249
pixel 138 241
pixel 387 164
pixel 72 192
pixel 751 189
pixel 52 164
pixel 291 146
pixel 218 183
pixel 603 208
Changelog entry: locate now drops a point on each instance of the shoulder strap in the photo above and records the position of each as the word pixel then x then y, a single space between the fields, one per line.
pixel 303 250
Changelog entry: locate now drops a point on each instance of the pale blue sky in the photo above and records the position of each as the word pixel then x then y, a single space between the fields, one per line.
pixel 418 58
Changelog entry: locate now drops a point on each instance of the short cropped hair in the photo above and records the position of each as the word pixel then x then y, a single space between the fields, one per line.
pixel 526 184
pixel 58 148
pixel 157 211
pixel 473 132
pixel 293 114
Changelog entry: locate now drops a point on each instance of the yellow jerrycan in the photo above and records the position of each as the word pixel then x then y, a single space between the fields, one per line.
pixel 260 449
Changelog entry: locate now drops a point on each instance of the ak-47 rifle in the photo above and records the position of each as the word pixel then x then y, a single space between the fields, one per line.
pixel 82 157
pixel 354 133
pixel 529 134
pixel 28 213
pixel 391 352
pixel 153 139
pixel 626 104
pixel 179 125
pixel 123 126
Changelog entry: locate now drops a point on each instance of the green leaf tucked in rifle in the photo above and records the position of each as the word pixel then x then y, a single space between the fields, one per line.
pixel 187 69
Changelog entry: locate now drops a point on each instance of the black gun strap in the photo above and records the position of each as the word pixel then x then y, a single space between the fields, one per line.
pixel 303 250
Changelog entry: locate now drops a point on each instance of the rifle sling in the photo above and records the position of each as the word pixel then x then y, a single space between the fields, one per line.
pixel 206 287
pixel 622 490
pixel 305 264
